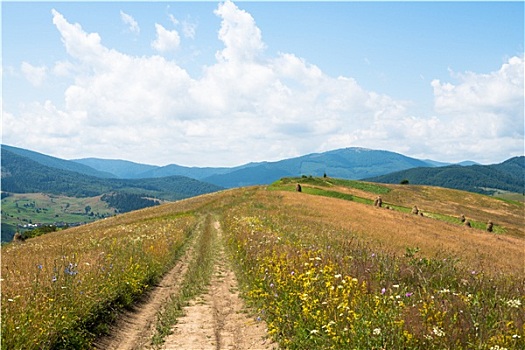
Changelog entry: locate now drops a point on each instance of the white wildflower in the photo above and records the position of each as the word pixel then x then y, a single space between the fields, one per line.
pixel 515 303
pixel 438 332
pixel 376 331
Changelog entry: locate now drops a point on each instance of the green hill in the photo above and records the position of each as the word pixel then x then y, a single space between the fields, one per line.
pixel 487 179
pixel 22 175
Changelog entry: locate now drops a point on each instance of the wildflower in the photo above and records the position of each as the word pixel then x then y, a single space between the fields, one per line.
pixel 376 331
pixel 438 332
pixel 409 294
pixel 10 300
pixel 314 331
pixel 444 290
pixel 515 303
pixel 395 286
pixel 383 290
pixel 39 266
pixel 54 279
pixel 497 347
pixel 516 336
pixel 338 275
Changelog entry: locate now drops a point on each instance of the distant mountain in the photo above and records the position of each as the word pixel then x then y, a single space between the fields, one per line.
pixel 58 163
pixel 118 168
pixel 21 174
pixel 348 163
pixel 506 176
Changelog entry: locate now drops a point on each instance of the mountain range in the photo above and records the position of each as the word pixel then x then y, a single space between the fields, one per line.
pixel 348 163
pixel 23 169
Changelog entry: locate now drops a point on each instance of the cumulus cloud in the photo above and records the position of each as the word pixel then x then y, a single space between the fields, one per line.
pixel 241 37
pixel 491 92
pixel 488 107
pixel 35 75
pixel 248 107
pixel 133 26
pixel 167 40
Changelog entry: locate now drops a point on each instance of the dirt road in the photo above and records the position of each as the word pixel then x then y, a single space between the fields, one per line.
pixel 215 320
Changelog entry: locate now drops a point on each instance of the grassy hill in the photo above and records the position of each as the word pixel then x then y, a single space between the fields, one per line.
pixel 324 267
pixel 105 196
pixel 507 176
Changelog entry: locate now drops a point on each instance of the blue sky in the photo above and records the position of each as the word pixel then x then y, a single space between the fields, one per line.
pixel 225 83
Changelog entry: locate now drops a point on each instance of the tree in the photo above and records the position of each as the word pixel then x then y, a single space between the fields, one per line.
pixel 87 209
pixel 404 182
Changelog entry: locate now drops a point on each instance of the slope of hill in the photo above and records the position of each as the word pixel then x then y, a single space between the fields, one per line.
pixel 506 176
pixel 23 175
pixel 325 258
pixel 58 163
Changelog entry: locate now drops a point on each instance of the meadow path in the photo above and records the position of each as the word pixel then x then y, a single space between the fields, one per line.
pixel 215 320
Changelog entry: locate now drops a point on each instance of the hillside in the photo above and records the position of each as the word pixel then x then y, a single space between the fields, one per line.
pixel 22 175
pixel 322 259
pixel 57 163
pixel 506 176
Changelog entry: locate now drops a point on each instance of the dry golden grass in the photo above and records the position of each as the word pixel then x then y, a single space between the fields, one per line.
pixel 396 231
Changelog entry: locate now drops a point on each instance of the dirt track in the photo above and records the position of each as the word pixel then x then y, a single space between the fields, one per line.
pixel 214 320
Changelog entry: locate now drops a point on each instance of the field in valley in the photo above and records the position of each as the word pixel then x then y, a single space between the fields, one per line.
pixel 318 269
pixel 19 209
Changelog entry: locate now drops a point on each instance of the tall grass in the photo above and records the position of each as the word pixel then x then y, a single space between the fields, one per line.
pixel 59 290
pixel 321 287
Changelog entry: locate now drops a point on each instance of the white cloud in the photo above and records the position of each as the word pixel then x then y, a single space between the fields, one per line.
pixel 248 107
pixel 483 92
pixel 167 40
pixel 35 75
pixel 241 37
pixel 133 26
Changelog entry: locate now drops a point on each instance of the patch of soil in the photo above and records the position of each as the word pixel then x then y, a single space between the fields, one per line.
pixel 215 320
pixel 218 319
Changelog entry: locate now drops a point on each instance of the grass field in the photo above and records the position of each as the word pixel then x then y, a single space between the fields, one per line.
pixel 325 268
pixel 31 208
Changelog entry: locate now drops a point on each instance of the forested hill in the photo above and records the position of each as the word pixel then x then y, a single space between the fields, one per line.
pixel 506 176
pixel 23 175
